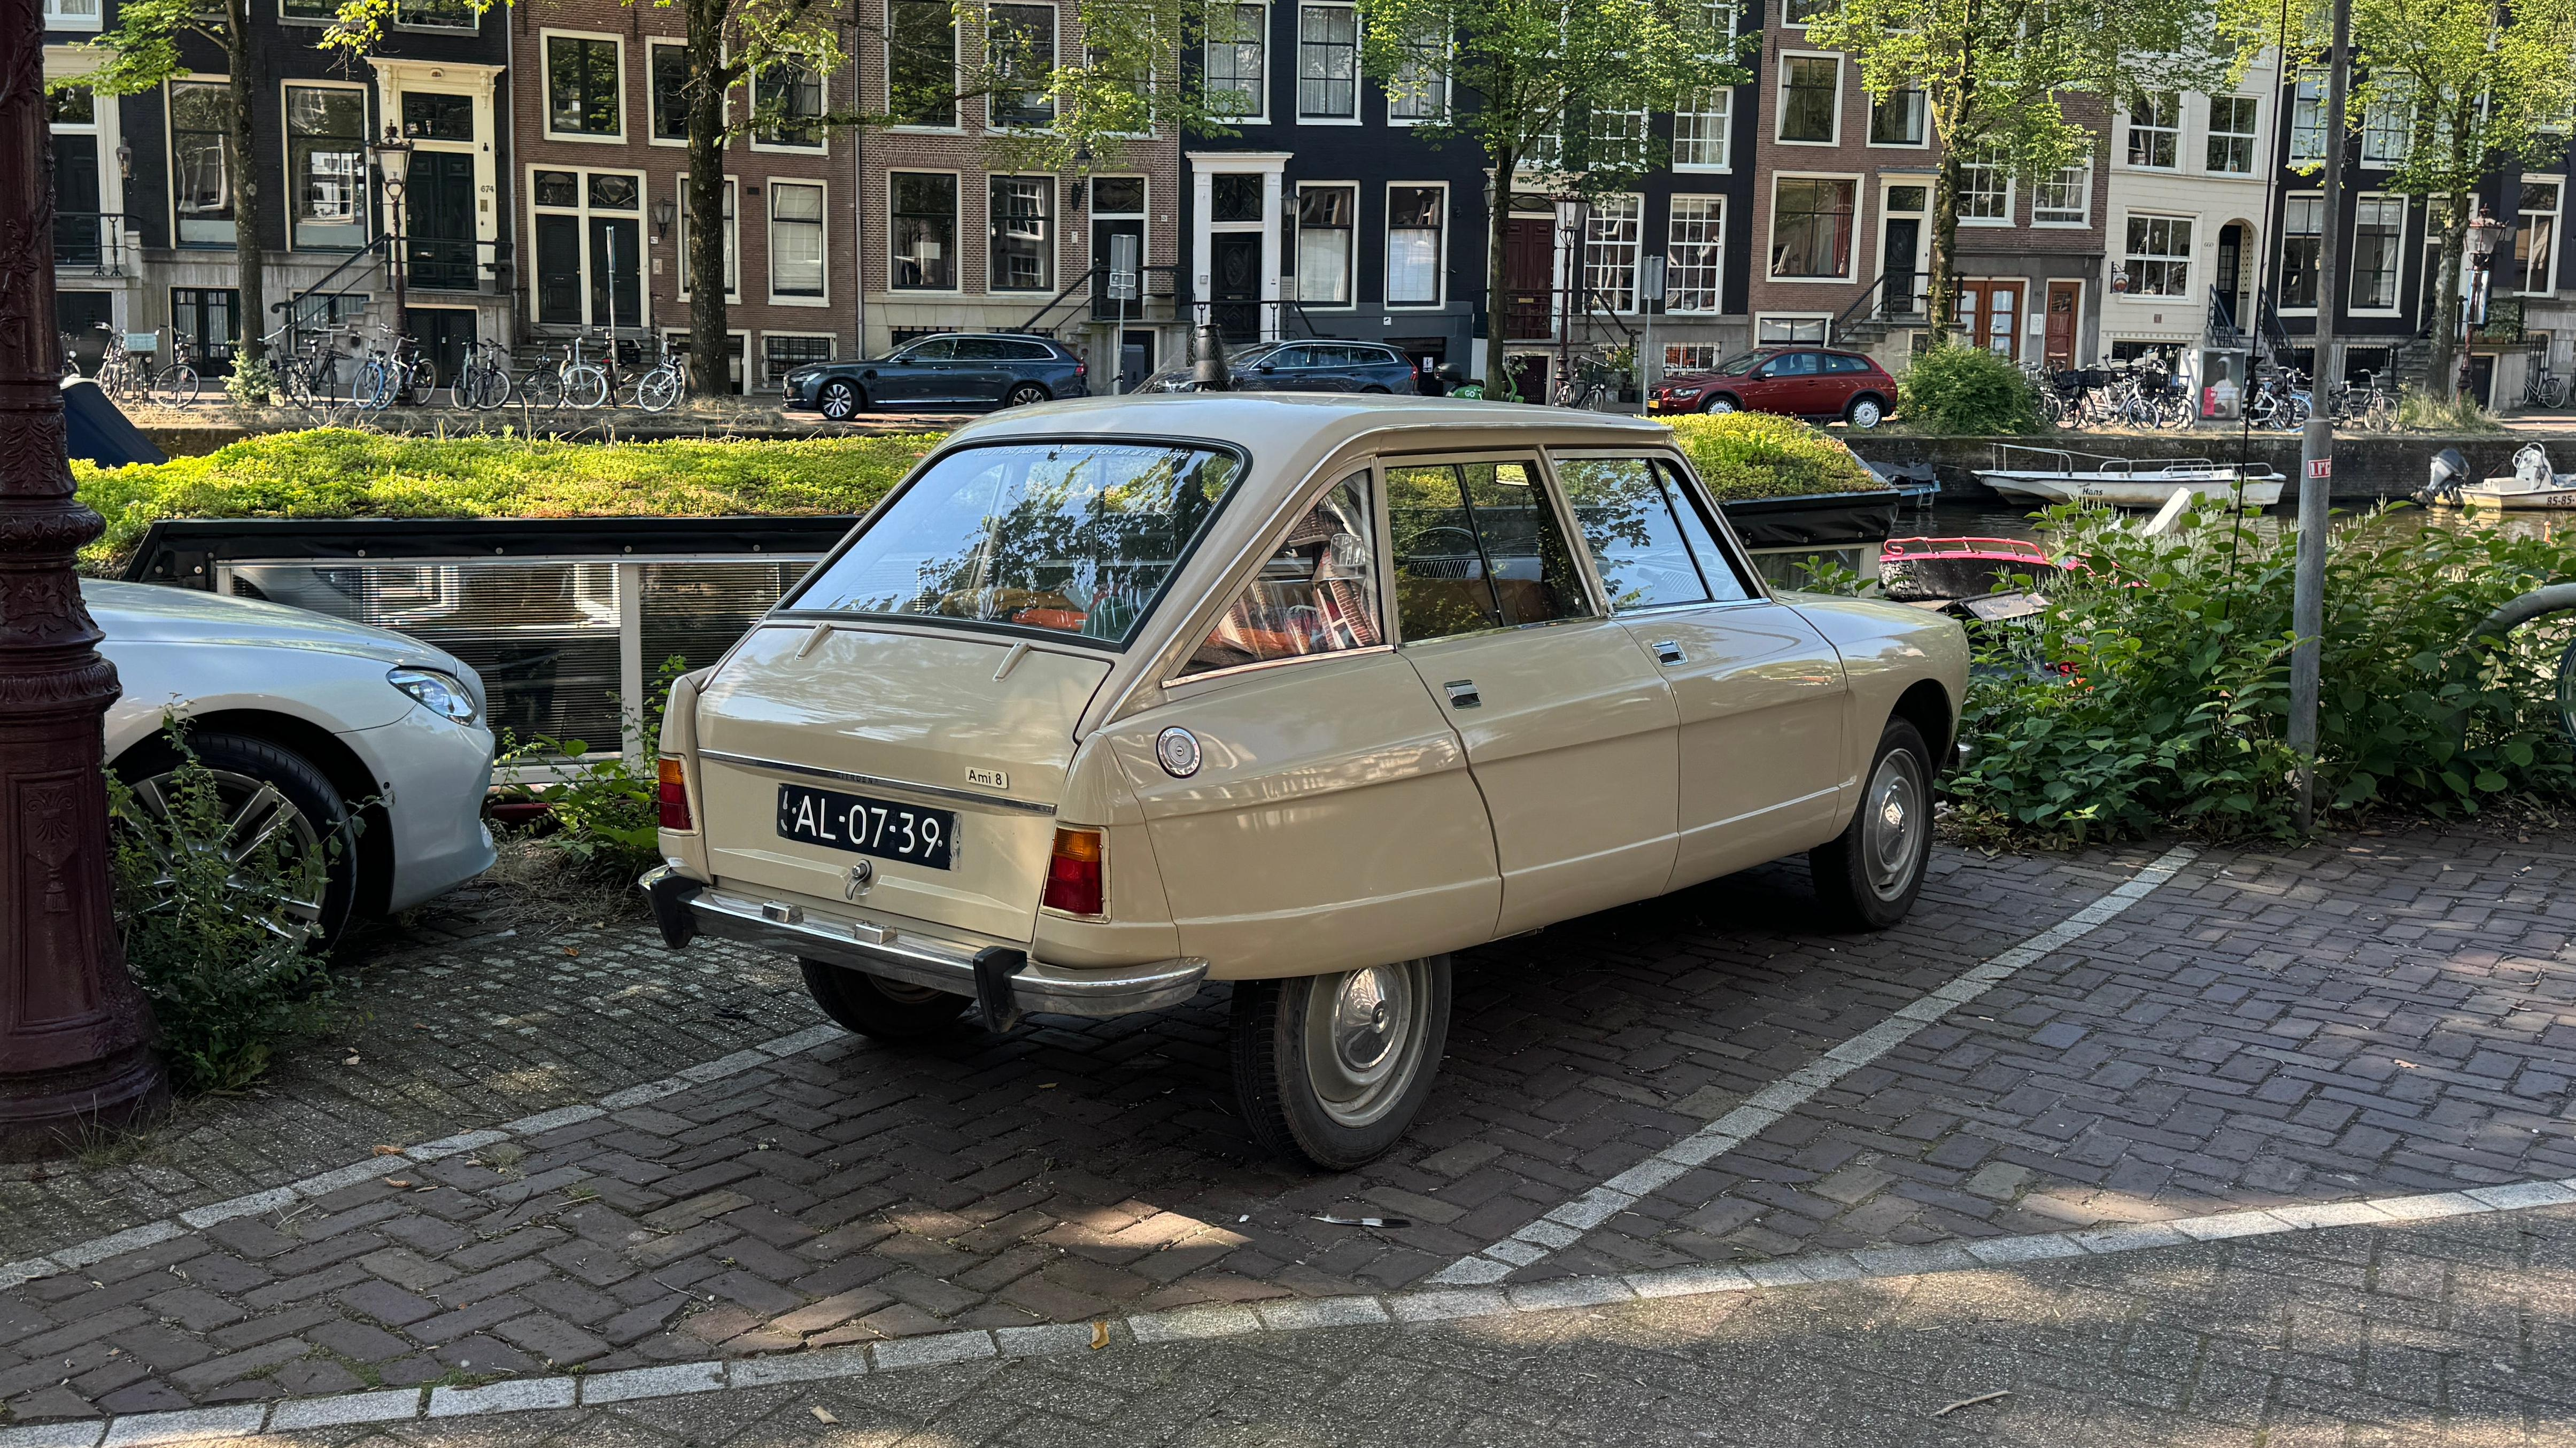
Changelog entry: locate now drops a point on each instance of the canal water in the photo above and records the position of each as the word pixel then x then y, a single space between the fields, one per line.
pixel 1995 518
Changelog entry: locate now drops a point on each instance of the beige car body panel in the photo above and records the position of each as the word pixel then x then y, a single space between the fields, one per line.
pixel 1341 815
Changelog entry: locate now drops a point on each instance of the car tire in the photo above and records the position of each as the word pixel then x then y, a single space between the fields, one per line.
pixel 1865 412
pixel 1379 391
pixel 1718 404
pixel 882 1010
pixel 838 401
pixel 307 806
pixel 1027 394
pixel 1339 1098
pixel 1867 877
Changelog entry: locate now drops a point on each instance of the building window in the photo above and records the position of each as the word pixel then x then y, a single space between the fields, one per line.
pixel 2065 198
pixel 326 167
pixel 1897 120
pixel 921 63
pixel 2387 131
pixel 925 231
pixel 581 87
pixel 1237 47
pixel 669 65
pixel 80 231
pixel 437 116
pixel 2231 135
pixel 1689 356
pixel 2308 118
pixel 1774 331
pixel 201 162
pixel 1618 139
pixel 788 97
pixel 1022 41
pixel 2378 234
pixel 1799 12
pixel 1811 227
pixel 1694 254
pixel 1811 88
pixel 795 239
pixel 1703 129
pixel 2155 130
pixel 732 242
pixel 1023 249
pixel 1328 48
pixel 1413 250
pixel 1612 230
pixel 71 14
pixel 1420 91
pixel 2535 245
pixel 590 251
pixel 2303 220
pixel 2159 256
pixel 1325 216
pixel 782 355
pixel 1985 187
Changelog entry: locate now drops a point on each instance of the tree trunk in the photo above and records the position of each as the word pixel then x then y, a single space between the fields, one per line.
pixel 1944 301
pixel 1498 220
pixel 709 347
pixel 2445 356
pixel 250 257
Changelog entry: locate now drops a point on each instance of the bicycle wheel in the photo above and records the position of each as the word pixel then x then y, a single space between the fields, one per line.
pixel 461 392
pixel 543 389
pixel 585 387
pixel 657 390
pixel 176 386
pixel 367 387
pixel 2553 392
pixel 491 390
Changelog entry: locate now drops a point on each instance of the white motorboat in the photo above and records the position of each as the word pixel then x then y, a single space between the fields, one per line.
pixel 2053 475
pixel 2534 487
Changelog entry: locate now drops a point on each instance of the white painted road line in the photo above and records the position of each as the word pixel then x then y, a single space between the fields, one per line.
pixel 1566 1225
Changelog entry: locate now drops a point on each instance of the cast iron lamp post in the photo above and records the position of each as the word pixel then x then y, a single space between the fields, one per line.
pixel 393 162
pixel 73 1028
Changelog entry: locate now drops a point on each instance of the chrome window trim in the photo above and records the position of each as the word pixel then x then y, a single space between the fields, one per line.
pixel 1179 681
pixel 878 781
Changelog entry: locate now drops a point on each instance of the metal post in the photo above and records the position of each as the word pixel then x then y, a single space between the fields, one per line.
pixel 1650 292
pixel 2316 444
pixel 72 1025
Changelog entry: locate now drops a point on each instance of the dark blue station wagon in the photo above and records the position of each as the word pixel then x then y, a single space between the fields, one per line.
pixel 958 369
pixel 1307 366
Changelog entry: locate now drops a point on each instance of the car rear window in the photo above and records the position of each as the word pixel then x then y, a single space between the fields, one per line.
pixel 1067 538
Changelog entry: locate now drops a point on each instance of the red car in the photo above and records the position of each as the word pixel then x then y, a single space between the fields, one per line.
pixel 1811 382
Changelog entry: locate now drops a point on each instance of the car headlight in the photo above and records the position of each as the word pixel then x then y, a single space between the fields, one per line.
pixel 440 694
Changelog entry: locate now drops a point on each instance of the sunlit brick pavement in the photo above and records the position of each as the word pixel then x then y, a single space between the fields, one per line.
pixel 2366 1018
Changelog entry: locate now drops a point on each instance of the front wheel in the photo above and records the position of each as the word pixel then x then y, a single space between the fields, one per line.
pixel 179 385
pixel 585 387
pixel 883 1010
pixel 271 812
pixel 2553 392
pixel 1867 877
pixel 658 390
pixel 1718 404
pixel 838 402
pixel 1333 1068
pixel 1864 413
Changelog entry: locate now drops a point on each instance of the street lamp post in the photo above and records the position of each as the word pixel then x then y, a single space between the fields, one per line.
pixel 73 1028
pixel 393 162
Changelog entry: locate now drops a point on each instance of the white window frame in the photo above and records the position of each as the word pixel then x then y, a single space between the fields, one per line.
pixel 1717 200
pixel 2084 191
pixel 2134 132
pixel 1771 237
pixel 1296 239
pixel 1823 320
pixel 2352 252
pixel 1441 103
pixel 956 67
pixel 1358 79
pixel 956 233
pixel 2280 285
pixel 57 18
pixel 1923 101
pixel 582 210
pixel 759 355
pixel 1052 247
pixel 733 236
pixel 2253 137
pixel 2133 260
pixel 1055 56
pixel 170 161
pixel 1635 247
pixel 822 222
pixel 2557 219
pixel 653 43
pixel 286 156
pixel 822 134
pixel 1999 166
pixel 1260 114
pixel 1440 248
pixel 679 339
pixel 2307 116
pixel 1724 113
pixel 546 94
pixel 2380 121
pixel 1780 98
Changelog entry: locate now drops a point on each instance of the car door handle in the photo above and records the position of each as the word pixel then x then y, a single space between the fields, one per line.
pixel 1462 694
pixel 1669 651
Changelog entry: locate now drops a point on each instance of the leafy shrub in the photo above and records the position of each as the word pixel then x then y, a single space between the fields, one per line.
pixel 211 939
pixel 2423 412
pixel 2172 704
pixel 1966 391
pixel 340 473
pixel 604 813
pixel 251 383
pixel 1761 455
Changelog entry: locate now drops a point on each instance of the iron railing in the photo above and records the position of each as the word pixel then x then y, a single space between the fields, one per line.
pixel 94 240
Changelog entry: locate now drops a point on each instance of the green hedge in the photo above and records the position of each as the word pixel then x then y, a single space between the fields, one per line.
pixel 1759 455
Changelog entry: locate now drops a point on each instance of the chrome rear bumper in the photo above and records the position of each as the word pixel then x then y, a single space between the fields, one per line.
pixel 686 908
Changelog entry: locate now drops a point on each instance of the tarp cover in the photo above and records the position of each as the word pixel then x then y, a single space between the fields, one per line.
pixel 95 431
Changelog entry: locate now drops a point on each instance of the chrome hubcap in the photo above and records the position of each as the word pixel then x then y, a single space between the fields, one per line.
pixel 1894 817
pixel 1364 1038
pixel 255 818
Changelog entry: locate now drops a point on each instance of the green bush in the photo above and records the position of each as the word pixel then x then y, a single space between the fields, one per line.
pixel 1760 455
pixel 340 473
pixel 2421 411
pixel 1966 391
pixel 250 383
pixel 210 936
pixel 2154 692
pixel 604 813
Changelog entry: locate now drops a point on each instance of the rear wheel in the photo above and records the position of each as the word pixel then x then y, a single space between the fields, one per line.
pixel 838 401
pixel 884 1010
pixel 1333 1068
pixel 1027 394
pixel 1867 877
pixel 1865 412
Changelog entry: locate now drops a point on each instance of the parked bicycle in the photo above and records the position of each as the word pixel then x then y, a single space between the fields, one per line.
pixel 1591 383
pixel 396 377
pixel 2278 402
pixel 585 383
pixel 658 386
pixel 483 381
pixel 2542 386
pixel 2365 405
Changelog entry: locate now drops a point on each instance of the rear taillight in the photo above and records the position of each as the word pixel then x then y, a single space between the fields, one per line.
pixel 671 792
pixel 1073 873
pixel 1081 369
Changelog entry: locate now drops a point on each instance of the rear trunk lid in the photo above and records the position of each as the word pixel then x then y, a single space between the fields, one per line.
pixel 915 734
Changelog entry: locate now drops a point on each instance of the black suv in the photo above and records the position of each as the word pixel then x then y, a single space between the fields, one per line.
pixel 1306 366
pixel 959 369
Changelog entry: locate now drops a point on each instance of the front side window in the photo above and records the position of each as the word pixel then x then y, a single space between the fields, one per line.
pixel 1413 222
pixel 326 166
pixel 201 162
pixel 789 100
pixel 1897 120
pixel 2303 220
pixel 670 76
pixel 1237 46
pixel 1476 546
pixel 581 87
pixel 2535 245
pixel 1073 538
pixel 1632 514
pixel 925 231
pixel 1694 253
pixel 1328 49
pixel 2231 135
pixel 1810 97
pixel 2064 197
pixel 2155 130
pixel 1611 234
pixel 1325 223
pixel 2159 256
pixel 1811 227
pixel 1315 594
pixel 2378 237
pixel 921 63
pixel 1023 249
pixel 1022 38
pixel 1704 128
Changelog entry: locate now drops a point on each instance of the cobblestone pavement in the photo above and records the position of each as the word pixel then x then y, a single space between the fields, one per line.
pixel 2357 1019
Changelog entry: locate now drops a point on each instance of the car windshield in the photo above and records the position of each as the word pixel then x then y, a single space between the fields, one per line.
pixel 1066 537
pixel 1740 364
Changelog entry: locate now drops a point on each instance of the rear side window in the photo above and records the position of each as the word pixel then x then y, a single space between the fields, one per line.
pixel 1315 594
pixel 1028 351
pixel 1727 583
pixel 1845 364
pixel 1069 537
pixel 980 349
pixel 1476 546
pixel 1626 510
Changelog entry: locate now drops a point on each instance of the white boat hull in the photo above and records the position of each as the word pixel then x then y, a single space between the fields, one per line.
pixel 2510 495
pixel 2121 490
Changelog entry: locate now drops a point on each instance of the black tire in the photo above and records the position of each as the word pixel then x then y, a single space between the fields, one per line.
pixel 1348 1118
pixel 1721 404
pixel 1869 406
pixel 1027 394
pixel 839 401
pixel 239 761
pixel 882 1010
pixel 1867 876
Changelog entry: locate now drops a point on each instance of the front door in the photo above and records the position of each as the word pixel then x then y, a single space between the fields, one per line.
pixel 1234 286
pixel 2065 307
pixel 1900 255
pixel 444 333
pixel 1567 723
pixel 1990 316
pixel 78 238
pixel 438 223
pixel 616 280
pixel 1529 278
pixel 919 373
pixel 1105 307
